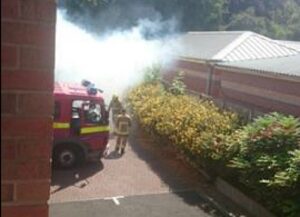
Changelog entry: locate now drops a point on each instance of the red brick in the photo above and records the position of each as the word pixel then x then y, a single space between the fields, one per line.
pixel 25 211
pixel 33 191
pixel 27 34
pixel 264 104
pixel 201 68
pixel 35 169
pixel 8 150
pixel 28 80
pixel 8 103
pixel 195 83
pixel 8 170
pixel 272 84
pixel 9 56
pixel 41 104
pixel 34 149
pixel 34 58
pixel 215 88
pixel 38 10
pixel 10 9
pixel 7 192
pixel 26 127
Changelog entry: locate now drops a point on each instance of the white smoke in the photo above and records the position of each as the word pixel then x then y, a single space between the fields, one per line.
pixel 114 62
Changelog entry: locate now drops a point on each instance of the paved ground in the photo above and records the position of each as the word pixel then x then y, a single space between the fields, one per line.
pixel 150 179
pixel 158 205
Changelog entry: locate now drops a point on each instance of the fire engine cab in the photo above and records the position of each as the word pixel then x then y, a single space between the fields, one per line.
pixel 81 126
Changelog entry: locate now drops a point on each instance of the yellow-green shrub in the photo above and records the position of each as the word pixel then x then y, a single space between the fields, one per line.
pixel 189 123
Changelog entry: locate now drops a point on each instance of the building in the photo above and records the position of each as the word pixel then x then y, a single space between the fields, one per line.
pixel 27 82
pixel 243 71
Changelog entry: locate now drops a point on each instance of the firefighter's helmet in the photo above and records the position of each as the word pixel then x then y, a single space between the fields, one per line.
pixel 115 97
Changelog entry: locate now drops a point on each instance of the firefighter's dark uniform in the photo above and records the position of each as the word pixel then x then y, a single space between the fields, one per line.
pixel 123 124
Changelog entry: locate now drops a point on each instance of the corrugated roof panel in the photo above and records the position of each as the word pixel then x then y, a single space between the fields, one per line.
pixel 247 50
pixel 258 47
pixel 261 50
pixel 289 65
pixel 254 49
pixel 205 45
pixel 292 44
pixel 242 53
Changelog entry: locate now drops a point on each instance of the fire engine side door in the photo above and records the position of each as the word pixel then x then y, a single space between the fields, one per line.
pixel 92 118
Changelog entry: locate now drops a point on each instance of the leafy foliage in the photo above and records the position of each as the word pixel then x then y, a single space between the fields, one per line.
pixel 263 156
pixel 193 126
pixel 178 87
pixel 152 74
pixel 268 161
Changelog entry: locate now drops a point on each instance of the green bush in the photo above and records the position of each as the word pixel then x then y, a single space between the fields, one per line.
pixel 178 87
pixel 191 125
pixel 263 156
pixel 268 161
pixel 152 74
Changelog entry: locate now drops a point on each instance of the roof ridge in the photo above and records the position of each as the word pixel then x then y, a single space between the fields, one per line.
pixel 231 46
pixel 214 32
pixel 239 41
pixel 273 41
pixel 286 45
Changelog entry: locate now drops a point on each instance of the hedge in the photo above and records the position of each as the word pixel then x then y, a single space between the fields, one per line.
pixel 264 154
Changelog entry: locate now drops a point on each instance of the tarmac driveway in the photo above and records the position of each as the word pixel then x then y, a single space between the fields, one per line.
pixel 145 168
pixel 156 205
pixel 148 180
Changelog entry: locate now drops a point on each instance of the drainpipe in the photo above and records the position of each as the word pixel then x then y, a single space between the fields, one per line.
pixel 211 65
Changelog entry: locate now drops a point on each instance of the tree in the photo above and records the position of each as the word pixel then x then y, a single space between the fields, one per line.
pixel 273 18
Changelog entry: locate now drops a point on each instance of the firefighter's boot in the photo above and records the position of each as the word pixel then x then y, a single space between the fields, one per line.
pixel 122 151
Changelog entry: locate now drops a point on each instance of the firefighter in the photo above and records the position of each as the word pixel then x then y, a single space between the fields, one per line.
pixel 93 115
pixel 123 124
pixel 116 107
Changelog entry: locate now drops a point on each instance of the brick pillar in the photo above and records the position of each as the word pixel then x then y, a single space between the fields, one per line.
pixel 27 77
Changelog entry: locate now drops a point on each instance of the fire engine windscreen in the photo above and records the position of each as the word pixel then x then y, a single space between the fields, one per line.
pixel 114 61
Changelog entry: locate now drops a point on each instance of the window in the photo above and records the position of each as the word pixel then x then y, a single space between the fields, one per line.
pixel 91 110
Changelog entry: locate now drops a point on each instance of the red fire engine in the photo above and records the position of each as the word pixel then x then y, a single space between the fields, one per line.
pixel 81 126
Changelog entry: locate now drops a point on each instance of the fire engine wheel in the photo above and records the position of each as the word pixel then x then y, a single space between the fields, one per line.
pixel 66 156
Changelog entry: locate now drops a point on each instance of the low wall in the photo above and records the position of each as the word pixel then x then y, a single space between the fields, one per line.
pixel 241 199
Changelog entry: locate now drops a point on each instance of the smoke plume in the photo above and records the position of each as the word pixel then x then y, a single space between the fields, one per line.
pixel 114 61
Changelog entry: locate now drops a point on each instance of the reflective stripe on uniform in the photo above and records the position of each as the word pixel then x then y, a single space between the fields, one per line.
pixel 61 125
pixel 85 130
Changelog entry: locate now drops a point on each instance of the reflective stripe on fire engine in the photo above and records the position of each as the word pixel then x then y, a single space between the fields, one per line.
pixel 61 125
pixel 94 129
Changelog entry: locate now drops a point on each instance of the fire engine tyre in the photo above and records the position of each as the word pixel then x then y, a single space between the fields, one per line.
pixel 67 156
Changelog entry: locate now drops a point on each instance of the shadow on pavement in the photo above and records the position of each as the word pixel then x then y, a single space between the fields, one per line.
pixel 175 172
pixel 113 155
pixel 76 176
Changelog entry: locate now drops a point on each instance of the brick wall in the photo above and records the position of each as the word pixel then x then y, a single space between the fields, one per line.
pixel 195 74
pixel 27 77
pixel 260 92
pixel 246 92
